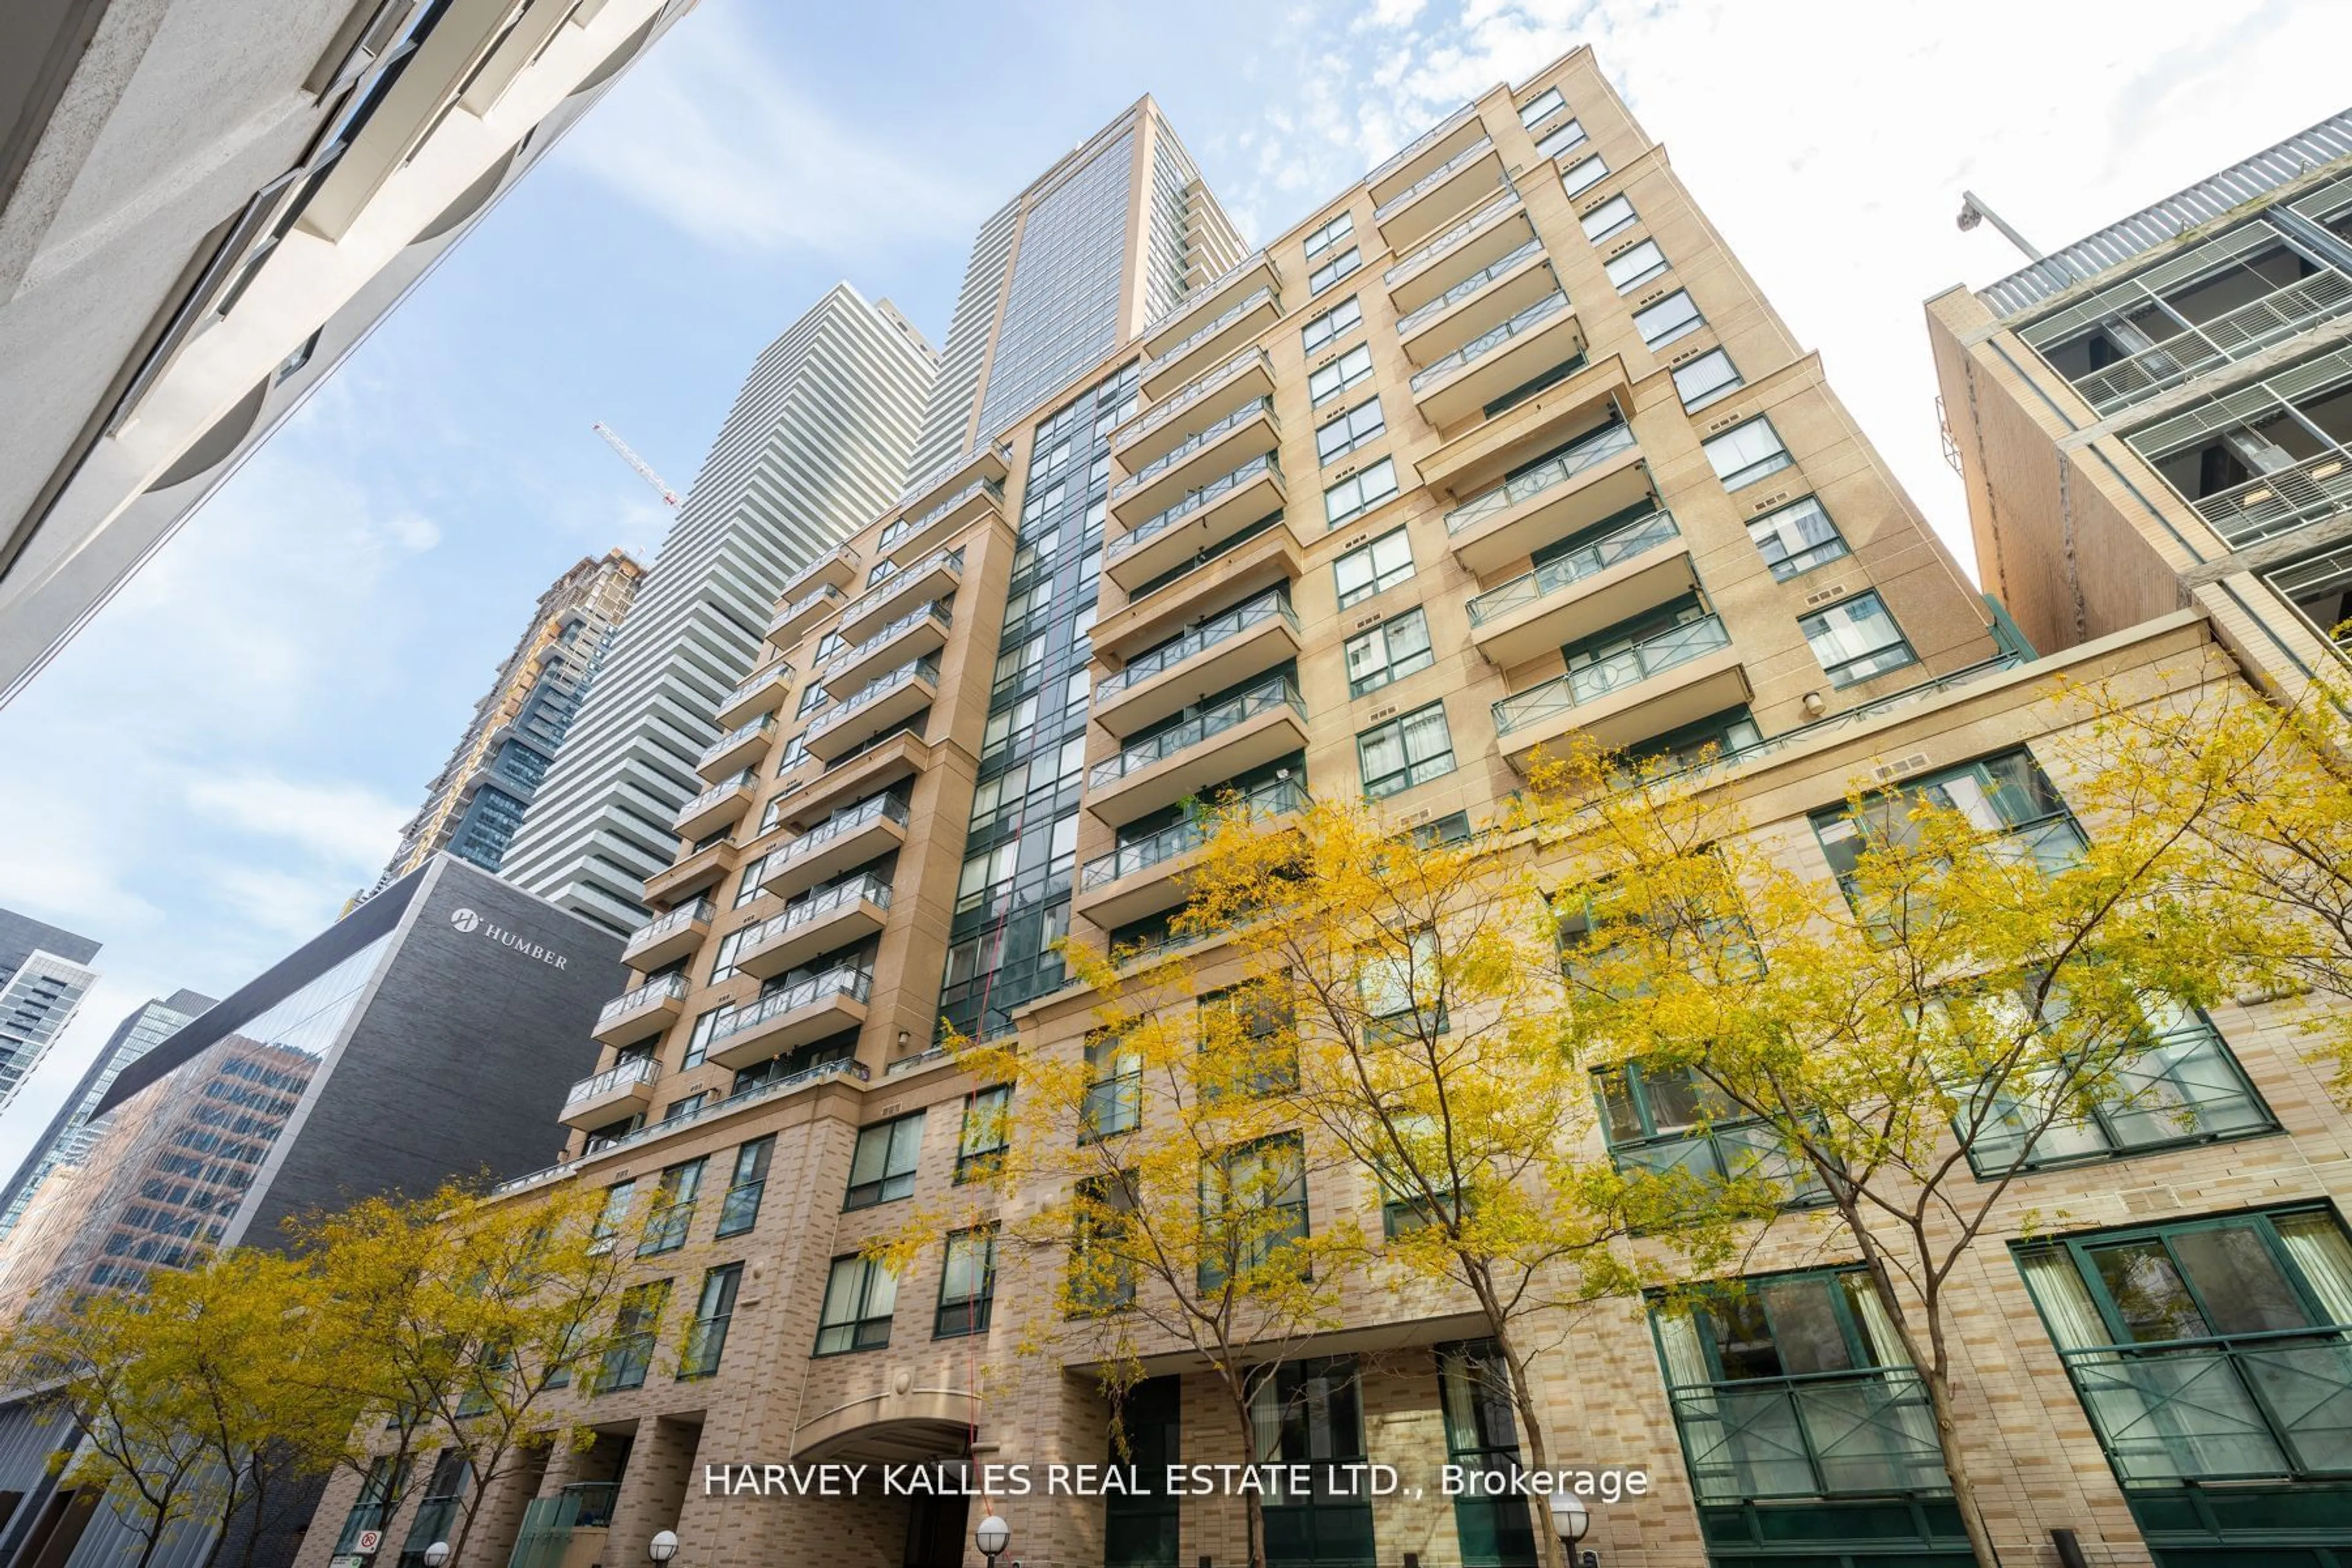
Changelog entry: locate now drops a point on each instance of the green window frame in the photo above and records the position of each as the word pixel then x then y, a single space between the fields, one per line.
pixel 1482 1436
pixel 1103 1275
pixel 635 1329
pixel 1796 538
pixel 740 1211
pixel 860 1295
pixel 882 1167
pixel 1344 317
pixel 1252 1023
pixel 714 1308
pixel 1857 639
pixel 618 1197
pixel 1406 752
pixel 986 1132
pixel 1389 652
pixel 1263 1177
pixel 1667 1118
pixel 967 1284
pixel 673 1211
pixel 1373 567
pixel 2006 797
pixel 1113 1102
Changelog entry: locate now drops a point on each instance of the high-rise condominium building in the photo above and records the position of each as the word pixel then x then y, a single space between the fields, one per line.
pixel 816 443
pixel 44 974
pixel 1497 447
pixel 477 800
pixel 204 206
pixel 2160 414
pixel 68 1138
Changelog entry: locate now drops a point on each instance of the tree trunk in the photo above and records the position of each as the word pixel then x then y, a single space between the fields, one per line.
pixel 1253 1503
pixel 1547 1545
pixel 1964 1486
pixel 1933 1375
pixel 228 1516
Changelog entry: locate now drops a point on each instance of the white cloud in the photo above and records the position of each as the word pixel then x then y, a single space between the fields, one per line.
pixel 413 532
pixel 345 824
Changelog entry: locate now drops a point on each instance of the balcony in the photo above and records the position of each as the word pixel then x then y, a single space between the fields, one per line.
pixel 642 1013
pixel 1201 521
pixel 697 872
pixel 835 568
pixel 835 845
pixel 1425 206
pixel 1543 337
pixel 720 807
pixel 1214 656
pixel 1255 273
pixel 990 462
pixel 623 1089
pixel 1596 476
pixel 738 750
pixel 785 626
pixel 833 919
pixel 1641 565
pixel 919 634
pixel 815 797
pixel 799 1014
pixel 1266 722
pixel 1268 559
pixel 1840 1434
pixel 1671 679
pixel 1145 876
pixel 910 537
pixel 935 577
pixel 764 692
pixel 666 937
pixel 1502 226
pixel 1166 425
pixel 887 700
pixel 2244 1407
pixel 1434 147
pixel 1225 334
pixel 1477 305
pixel 1218 447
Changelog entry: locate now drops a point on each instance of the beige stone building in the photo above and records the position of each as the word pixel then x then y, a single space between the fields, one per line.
pixel 1498 444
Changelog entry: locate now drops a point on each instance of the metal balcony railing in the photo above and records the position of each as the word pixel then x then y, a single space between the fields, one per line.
pixel 772 673
pixel 953 557
pixel 910 525
pixel 1159 523
pixel 2241 1408
pixel 936 474
pixel 904 623
pixel 1192 443
pixel 1824 1434
pixel 1637 538
pixel 1201 296
pixel 1269 605
pixel 1435 178
pixel 802 604
pixel 1652 655
pixel 1598 448
pixel 719 792
pixel 1487 341
pixel 854 984
pixel 1474 284
pixel 1419 144
pixel 1176 402
pixel 880 808
pixel 1226 318
pixel 668 988
pixel 626 1074
pixel 2280 500
pixel 879 687
pixel 844 556
pixel 1263 697
pixel 1430 251
pixel 2232 335
pixel 869 887
pixel 737 736
pixel 1276 798
pixel 661 925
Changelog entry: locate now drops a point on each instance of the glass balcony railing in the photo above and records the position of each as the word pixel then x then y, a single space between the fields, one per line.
pixel 1273 799
pixel 912 525
pixel 1435 178
pixel 2245 1407
pixel 939 473
pixel 1263 698
pixel 676 919
pixel 1231 314
pixel 1193 443
pixel 844 556
pixel 1201 296
pixel 1471 285
pixel 880 593
pixel 773 675
pixel 1840 1434
pixel 744 731
pixel 1487 343
pixel 899 627
pixel 856 984
pixel 882 808
pixel 668 988
pixel 1177 403
pixel 1628 667
pixel 1637 538
pixel 878 687
pixel 626 1074
pixel 1430 251
pixel 869 888
pixel 807 602
pixel 1160 522
pixel 1273 605
pixel 1598 448
pixel 1420 144
pixel 719 792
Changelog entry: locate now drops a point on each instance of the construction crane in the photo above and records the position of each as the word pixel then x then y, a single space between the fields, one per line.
pixel 645 470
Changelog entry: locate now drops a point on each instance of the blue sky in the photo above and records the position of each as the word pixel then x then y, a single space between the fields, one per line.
pixel 229 750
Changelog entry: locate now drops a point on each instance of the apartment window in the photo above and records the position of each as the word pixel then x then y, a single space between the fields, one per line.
pixel 2208 1347
pixel 1583 176
pixel 1329 235
pixel 1541 107
pixel 1564 138
pixel 860 1294
pixel 2007 797
pixel 1344 317
pixel 883 1168
pixel 1705 379
pixel 1610 217
pixel 673 1210
pixel 1373 568
pixel 1856 638
pixel 634 1330
pixel 812 698
pixel 1359 492
pixel 1669 319
pixel 1348 370
pixel 1746 453
pixel 713 1310
pixel 1246 1039
pixel 1102 1272
pixel 706 1029
pixel 748 886
pixel 1114 1085
pixel 882 569
pixel 1404 752
pixel 794 754
pixel 1346 432
pixel 746 1185
pixel 1331 272
pixel 1450 828
pixel 967 1284
pixel 1421 1194
pixel 614 1213
pixel 1253 1206
pixel 1393 986
pixel 1395 648
pixel 723 956
pixel 1630 268
pixel 1029 601
pixel 1668 1118
pixel 987 1132
pixel 1796 538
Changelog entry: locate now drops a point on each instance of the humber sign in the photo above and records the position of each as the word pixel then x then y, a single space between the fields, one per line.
pixel 471 921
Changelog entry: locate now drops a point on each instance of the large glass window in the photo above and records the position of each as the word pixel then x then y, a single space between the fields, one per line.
pixel 883 1168
pixel 1253 1206
pixel 1796 538
pixel 1565 137
pixel 673 1210
pixel 1583 176
pixel 1541 107
pixel 1705 379
pixel 1353 497
pixel 1340 318
pixel 967 1284
pixel 635 1331
pixel 987 1131
pixel 741 1210
pixel 1669 1118
pixel 860 1294
pixel 1409 749
pixel 618 1197
pixel 1395 648
pixel 1856 638
pixel 1670 318
pixel 1331 272
pixel 1310 1413
pixel 1637 265
pixel 1611 216
pixel 1114 1084
pixel 1746 453
pixel 1329 235
pixel 1373 568
pixel 2005 796
pixel 1482 1434
pixel 713 1311
pixel 1345 432
pixel 1348 370
pixel 1103 1271
pixel 1403 989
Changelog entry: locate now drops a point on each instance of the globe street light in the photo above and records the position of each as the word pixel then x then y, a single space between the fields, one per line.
pixel 992 1536
pixel 1569 1520
pixel 663 1546
pixel 436 1554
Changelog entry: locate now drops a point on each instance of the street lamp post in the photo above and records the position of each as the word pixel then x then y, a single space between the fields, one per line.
pixel 1569 1520
pixel 436 1554
pixel 991 1537
pixel 663 1546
